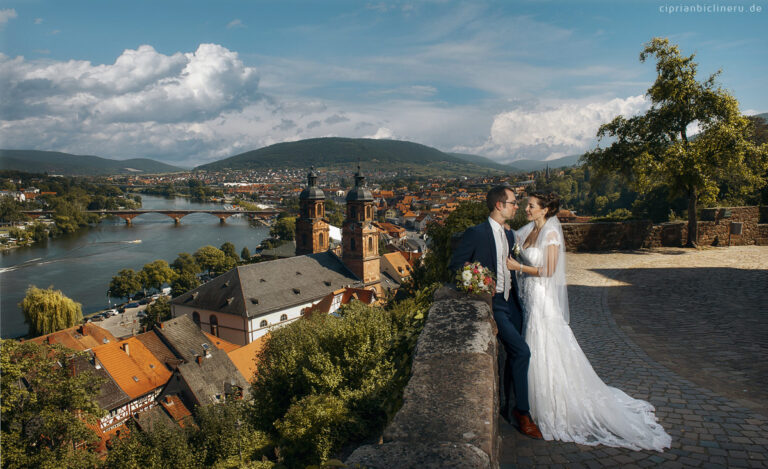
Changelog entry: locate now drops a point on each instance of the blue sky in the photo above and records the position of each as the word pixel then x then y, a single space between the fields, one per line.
pixel 189 82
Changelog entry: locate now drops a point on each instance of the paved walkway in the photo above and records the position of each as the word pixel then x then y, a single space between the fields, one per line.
pixel 686 330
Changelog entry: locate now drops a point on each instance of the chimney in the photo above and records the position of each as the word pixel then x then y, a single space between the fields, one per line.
pixel 160 324
pixel 199 359
pixel 168 399
pixel 126 349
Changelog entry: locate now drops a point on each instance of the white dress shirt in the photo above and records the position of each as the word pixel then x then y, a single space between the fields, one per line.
pixel 503 277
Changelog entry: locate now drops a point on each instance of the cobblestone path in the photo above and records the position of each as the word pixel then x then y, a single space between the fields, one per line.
pixel 685 330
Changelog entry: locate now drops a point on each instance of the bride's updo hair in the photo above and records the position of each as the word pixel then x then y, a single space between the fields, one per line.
pixel 549 201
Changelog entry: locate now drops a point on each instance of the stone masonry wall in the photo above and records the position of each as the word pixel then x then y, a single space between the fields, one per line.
pixel 451 404
pixel 714 228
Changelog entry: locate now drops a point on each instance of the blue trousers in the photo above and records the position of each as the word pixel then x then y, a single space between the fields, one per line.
pixel 513 370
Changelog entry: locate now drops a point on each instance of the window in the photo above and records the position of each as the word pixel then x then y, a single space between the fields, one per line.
pixel 214 325
pixel 352 212
pixel 303 239
pixel 370 245
pixel 352 245
pixel 318 210
pixel 283 317
pixel 196 318
pixel 320 240
pixel 263 323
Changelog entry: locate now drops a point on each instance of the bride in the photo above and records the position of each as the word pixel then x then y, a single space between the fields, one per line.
pixel 568 400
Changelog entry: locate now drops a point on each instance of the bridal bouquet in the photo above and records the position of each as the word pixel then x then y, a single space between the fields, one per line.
pixel 474 278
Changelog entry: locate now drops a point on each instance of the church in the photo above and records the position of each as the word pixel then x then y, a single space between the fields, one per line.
pixel 244 303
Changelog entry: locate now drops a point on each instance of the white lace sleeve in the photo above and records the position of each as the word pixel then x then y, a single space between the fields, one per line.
pixel 552 271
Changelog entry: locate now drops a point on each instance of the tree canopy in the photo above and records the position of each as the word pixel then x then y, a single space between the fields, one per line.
pixel 284 228
pixel 124 284
pixel 48 310
pixel 229 250
pixel 186 262
pixel 184 282
pixel 46 408
pixel 214 260
pixel 656 148
pixel 156 274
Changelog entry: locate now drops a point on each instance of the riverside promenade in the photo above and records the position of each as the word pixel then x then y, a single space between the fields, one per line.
pixel 684 329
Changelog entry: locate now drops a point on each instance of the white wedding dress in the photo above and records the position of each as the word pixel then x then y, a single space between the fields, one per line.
pixel 569 402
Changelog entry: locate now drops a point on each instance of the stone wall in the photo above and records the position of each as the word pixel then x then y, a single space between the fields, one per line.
pixel 715 224
pixel 451 404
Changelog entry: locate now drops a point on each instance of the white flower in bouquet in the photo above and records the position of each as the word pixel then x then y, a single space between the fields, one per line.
pixel 474 278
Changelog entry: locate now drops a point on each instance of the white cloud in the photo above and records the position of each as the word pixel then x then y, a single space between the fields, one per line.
pixel 382 133
pixel 7 15
pixel 38 21
pixel 235 23
pixel 553 130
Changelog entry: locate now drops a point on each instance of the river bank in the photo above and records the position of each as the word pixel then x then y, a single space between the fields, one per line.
pixel 81 264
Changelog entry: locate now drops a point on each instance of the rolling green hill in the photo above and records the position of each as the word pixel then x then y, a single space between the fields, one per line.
pixel 54 162
pixel 335 152
pixel 483 161
pixel 535 165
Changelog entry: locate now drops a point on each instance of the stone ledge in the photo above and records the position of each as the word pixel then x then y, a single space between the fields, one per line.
pixel 450 405
pixel 449 398
pixel 432 455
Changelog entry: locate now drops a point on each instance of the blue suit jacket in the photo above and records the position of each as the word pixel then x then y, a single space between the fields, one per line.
pixel 478 244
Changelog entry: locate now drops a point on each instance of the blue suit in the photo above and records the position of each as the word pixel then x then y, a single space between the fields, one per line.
pixel 478 244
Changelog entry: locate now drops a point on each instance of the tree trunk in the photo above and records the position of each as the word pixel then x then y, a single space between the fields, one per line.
pixel 693 226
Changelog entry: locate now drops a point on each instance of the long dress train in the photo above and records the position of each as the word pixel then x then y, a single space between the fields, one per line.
pixel 569 402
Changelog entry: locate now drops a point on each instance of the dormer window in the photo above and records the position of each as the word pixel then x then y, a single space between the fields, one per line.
pixel 296 291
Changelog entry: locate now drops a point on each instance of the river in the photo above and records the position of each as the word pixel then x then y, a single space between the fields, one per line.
pixel 82 264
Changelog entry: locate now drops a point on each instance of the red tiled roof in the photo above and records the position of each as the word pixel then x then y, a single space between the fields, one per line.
pixel 244 357
pixel 221 344
pixel 83 337
pixel 176 409
pixel 137 371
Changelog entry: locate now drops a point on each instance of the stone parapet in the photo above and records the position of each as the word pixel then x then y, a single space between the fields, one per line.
pixel 717 227
pixel 451 404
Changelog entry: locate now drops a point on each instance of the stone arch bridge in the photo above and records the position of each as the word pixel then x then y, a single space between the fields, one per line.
pixel 176 215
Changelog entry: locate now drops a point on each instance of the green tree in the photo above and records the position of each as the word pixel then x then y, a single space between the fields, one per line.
pixel 225 436
pixel 229 250
pixel 157 312
pixel 186 262
pixel 656 148
pixel 334 213
pixel 213 260
pixel 156 274
pixel 166 445
pixel 46 408
pixel 184 282
pixel 124 284
pixel 245 254
pixel 327 381
pixel 441 237
pixel 10 210
pixel 48 310
pixel 284 229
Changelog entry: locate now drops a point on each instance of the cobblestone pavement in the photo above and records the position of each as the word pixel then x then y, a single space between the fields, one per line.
pixel 683 329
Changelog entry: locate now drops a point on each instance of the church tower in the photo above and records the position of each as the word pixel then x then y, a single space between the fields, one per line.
pixel 311 229
pixel 360 239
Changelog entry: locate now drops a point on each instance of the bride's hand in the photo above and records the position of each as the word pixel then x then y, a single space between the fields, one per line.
pixel 512 264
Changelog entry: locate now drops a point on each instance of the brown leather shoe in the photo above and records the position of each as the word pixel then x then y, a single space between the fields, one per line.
pixel 527 427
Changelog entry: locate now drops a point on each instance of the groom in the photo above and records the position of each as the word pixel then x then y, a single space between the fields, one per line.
pixel 490 244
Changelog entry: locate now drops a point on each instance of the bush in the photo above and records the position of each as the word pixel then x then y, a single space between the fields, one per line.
pixel 327 381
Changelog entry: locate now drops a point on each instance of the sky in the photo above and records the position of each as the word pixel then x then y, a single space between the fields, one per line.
pixel 190 82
